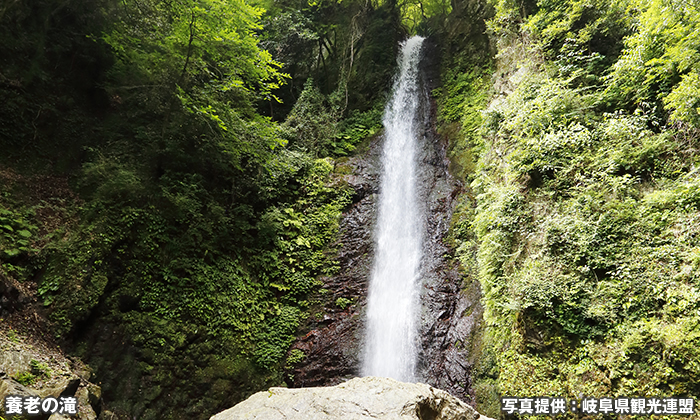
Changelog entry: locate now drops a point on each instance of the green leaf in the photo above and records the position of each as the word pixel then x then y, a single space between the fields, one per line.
pixel 13 252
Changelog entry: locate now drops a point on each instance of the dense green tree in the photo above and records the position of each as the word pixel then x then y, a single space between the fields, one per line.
pixel 660 64
pixel 199 235
pixel 193 44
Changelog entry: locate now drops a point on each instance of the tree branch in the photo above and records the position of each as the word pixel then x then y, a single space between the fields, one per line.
pixel 189 50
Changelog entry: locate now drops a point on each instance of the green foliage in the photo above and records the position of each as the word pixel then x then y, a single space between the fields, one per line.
pixel 275 337
pixel 574 29
pixel 191 42
pixel 583 229
pixel 295 356
pixel 12 336
pixel 25 378
pixel 315 124
pixel 498 218
pixel 684 100
pixel 312 124
pixel 464 90
pixel 16 232
pixel 342 303
pixel 461 95
pixel 188 262
pixel 225 271
pixel 658 63
pixel 290 38
pixel 509 15
pixel 75 278
pixel 584 254
pixel 304 229
pixel 40 370
pixel 416 13
pixel 348 48
pixel 194 216
pixel 356 128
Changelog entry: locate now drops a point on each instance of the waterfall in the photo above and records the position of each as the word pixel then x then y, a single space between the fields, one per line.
pixel 392 306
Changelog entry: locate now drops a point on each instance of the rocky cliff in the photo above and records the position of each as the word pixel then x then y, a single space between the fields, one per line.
pixel 32 364
pixel 451 308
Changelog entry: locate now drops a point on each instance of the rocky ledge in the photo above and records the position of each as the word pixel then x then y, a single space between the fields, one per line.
pixel 28 370
pixel 33 366
pixel 358 398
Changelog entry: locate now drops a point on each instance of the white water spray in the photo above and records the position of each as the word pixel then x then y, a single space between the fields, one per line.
pixel 392 306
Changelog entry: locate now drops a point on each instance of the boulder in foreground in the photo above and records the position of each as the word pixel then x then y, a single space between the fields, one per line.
pixel 358 398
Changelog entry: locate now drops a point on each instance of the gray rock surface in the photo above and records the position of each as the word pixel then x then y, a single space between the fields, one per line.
pixel 57 377
pixel 358 398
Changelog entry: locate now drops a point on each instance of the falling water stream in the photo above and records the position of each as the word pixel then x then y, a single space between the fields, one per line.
pixel 393 307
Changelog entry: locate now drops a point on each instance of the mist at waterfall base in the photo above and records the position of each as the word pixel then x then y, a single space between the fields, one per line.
pixel 391 347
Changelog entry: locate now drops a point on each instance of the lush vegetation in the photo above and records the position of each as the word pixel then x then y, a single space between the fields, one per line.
pixel 168 184
pixel 583 226
pixel 168 181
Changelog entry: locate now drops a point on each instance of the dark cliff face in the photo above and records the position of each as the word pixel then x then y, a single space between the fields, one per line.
pixel 450 302
pixel 450 309
pixel 334 344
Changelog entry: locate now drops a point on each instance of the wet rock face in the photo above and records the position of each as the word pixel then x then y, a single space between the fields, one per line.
pixel 359 398
pixel 450 309
pixel 451 306
pixel 333 346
